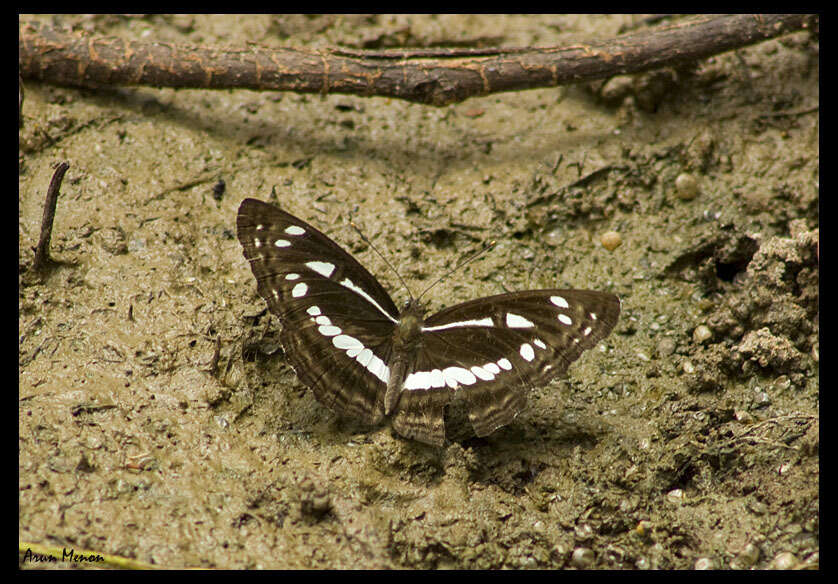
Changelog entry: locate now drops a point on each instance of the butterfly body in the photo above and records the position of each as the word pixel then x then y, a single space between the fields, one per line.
pixel 364 358
pixel 407 340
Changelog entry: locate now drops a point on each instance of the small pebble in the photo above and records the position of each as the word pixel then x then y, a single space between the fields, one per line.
pixel 582 557
pixel 705 564
pixel 784 561
pixel 747 557
pixel 686 187
pixel 583 531
pixel 702 333
pixel 610 240
pixel 666 346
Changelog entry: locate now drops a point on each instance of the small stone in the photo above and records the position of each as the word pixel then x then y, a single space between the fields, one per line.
pixel 702 333
pixel 616 89
pixel 675 496
pixel 686 187
pixel 666 346
pixel 747 557
pixel 704 564
pixel 610 240
pixel 782 383
pixel 583 531
pixel 761 399
pixel 582 558
pixel 783 561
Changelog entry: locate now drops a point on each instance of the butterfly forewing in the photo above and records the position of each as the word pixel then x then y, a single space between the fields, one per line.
pixel 336 318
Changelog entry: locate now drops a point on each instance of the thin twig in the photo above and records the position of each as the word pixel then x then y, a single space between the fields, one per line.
pixel 431 76
pixel 42 251
pixel 19 101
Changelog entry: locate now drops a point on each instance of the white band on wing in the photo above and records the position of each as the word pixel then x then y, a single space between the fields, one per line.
pixel 347 283
pixel 441 327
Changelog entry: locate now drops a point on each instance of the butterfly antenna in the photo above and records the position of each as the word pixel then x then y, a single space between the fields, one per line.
pixel 386 261
pixel 462 264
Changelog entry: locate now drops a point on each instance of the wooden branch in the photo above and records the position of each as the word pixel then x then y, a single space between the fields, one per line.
pixel 431 76
pixel 42 258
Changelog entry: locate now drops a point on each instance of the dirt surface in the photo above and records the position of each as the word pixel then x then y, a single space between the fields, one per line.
pixel 158 419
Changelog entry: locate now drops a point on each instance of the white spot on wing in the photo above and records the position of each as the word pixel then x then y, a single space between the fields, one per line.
pixel 346 342
pixel 323 320
pixel 299 290
pixel 294 230
pixel 356 350
pixel 587 331
pixel 565 319
pixel 517 321
pixel 282 243
pixel 424 380
pixel 257 243
pixel 559 301
pixel 418 380
pixel 292 276
pixel 364 357
pixel 314 310
pixel 329 331
pixel 505 364
pixel 482 373
pixel 325 269
pixel 457 375
pixel 539 343
pixel 527 352
pixel 492 367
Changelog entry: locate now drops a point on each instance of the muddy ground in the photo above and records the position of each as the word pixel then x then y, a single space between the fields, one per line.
pixel 158 419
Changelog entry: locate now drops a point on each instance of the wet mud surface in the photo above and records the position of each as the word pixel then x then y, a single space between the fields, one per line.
pixel 159 420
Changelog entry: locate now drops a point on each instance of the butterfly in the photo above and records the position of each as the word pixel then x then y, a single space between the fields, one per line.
pixel 363 358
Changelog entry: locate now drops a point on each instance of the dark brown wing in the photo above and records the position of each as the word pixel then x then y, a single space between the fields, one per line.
pixel 493 349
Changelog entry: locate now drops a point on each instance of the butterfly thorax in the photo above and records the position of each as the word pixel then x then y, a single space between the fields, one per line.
pixel 407 339
pixel 409 330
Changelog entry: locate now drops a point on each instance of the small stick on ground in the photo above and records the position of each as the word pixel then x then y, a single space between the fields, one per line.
pixel 42 251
